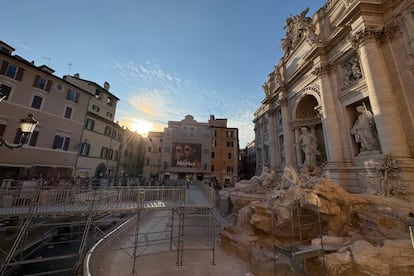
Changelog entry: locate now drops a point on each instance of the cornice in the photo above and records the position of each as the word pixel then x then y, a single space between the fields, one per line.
pixel 373 34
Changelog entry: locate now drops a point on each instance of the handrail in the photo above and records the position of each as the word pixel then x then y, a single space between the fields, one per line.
pixel 64 196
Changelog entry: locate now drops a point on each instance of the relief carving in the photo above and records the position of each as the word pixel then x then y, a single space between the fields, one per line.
pixel 351 71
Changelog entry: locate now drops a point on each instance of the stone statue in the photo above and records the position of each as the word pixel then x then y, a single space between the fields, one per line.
pixel 364 130
pixel 309 146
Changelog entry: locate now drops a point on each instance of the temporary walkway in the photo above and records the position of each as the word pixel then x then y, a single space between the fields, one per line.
pixel 40 209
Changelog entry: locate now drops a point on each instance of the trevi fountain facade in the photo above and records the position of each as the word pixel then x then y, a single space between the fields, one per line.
pixel 334 139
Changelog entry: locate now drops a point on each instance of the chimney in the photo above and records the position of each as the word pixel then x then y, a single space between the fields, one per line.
pixel 76 76
pixel 106 86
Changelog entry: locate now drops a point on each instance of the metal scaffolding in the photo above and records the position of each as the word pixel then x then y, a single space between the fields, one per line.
pixel 75 218
pixel 292 238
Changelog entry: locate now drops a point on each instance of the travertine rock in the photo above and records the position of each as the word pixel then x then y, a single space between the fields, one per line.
pixel 363 234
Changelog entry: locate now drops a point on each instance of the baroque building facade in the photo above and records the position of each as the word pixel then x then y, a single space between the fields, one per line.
pixel 341 97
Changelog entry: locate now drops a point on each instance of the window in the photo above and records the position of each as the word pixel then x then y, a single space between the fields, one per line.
pixel 214 143
pixel 2 129
pixel 215 132
pixel 84 149
pixel 97 94
pixel 229 155
pixel 229 134
pixel 90 124
pixel 149 149
pixel 116 155
pixel 5 92
pixel 109 114
pixel 11 71
pixel 61 142
pixel 212 167
pixel 114 134
pixel 42 83
pixel 72 96
pixel 104 153
pixel 110 101
pixel 68 112
pixel 31 140
pixel 229 144
pixel 229 169
pixel 37 102
pixel 213 154
pixel 110 154
pixel 108 131
pixel 95 107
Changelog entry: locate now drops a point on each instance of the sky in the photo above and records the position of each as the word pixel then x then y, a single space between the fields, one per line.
pixel 164 59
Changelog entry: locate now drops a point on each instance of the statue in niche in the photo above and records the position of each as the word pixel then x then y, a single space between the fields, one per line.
pixel 352 71
pixel 309 144
pixel 364 130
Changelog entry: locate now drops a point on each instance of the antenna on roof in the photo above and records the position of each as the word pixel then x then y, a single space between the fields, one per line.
pixel 69 67
pixel 49 59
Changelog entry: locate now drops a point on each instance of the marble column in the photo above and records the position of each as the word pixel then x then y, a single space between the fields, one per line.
pixel 273 141
pixel 384 107
pixel 331 131
pixel 287 133
pixel 298 146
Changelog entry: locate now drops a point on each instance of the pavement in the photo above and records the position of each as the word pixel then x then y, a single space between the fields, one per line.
pixel 114 255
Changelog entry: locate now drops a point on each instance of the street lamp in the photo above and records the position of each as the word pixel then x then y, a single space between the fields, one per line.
pixel 27 126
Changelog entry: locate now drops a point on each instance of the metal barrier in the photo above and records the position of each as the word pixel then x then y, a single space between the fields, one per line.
pixel 19 200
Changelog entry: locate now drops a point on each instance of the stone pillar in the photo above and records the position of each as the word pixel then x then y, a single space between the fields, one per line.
pixel 331 131
pixel 274 161
pixel 287 133
pixel 298 146
pixel 383 104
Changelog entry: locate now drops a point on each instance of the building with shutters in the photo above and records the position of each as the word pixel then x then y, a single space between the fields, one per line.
pixel 224 153
pixel 59 106
pixel 101 136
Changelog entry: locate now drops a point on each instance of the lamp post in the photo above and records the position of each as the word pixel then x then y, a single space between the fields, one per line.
pixel 27 126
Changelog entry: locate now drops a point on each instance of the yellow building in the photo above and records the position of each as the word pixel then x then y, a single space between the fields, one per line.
pixel 101 136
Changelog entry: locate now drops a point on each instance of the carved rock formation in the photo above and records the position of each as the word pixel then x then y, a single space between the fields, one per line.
pixel 361 234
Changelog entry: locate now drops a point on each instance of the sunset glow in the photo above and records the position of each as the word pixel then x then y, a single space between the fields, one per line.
pixel 141 126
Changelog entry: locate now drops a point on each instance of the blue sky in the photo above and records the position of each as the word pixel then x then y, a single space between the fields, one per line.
pixel 164 59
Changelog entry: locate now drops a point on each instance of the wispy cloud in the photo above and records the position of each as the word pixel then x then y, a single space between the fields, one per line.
pixel 158 96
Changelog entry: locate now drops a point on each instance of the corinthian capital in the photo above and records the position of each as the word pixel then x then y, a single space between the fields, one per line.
pixel 321 70
pixel 369 34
